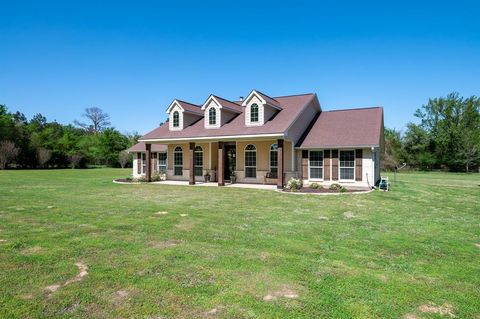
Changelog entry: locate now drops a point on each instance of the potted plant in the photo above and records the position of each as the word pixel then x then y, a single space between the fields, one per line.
pixel 233 177
pixel 207 177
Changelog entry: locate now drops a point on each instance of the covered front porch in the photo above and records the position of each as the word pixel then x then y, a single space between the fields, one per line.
pixel 255 161
pixel 215 184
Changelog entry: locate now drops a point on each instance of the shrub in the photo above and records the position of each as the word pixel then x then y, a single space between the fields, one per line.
pixel 294 184
pixel 338 188
pixel 141 179
pixel 156 177
pixel 315 185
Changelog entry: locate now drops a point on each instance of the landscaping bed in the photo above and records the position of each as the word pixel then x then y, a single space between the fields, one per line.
pixel 309 190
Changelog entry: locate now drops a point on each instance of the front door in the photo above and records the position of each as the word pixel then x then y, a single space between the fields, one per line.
pixel 230 161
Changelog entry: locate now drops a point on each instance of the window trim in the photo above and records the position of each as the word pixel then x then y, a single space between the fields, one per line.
pixel 143 166
pixel 323 165
pixel 339 167
pixel 258 113
pixel 245 161
pixel 177 119
pixel 210 116
pixel 195 151
pixel 270 159
pixel 175 151
pixel 158 162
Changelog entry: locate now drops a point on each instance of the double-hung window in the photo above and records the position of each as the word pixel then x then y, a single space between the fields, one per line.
pixel 198 161
pixel 212 116
pixel 316 164
pixel 162 162
pixel 178 161
pixel 274 160
pixel 144 164
pixel 250 161
pixel 254 113
pixel 347 165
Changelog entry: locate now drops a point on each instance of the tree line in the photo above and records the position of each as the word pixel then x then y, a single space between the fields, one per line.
pixel 446 137
pixel 39 143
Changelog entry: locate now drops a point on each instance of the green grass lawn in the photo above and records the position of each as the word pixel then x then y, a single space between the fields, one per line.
pixel 236 253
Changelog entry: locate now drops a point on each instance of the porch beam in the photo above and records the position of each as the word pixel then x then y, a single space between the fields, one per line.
pixel 191 151
pixel 280 177
pixel 148 158
pixel 221 163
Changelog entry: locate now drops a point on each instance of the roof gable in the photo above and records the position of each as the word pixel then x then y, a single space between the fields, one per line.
pixel 223 104
pixel 185 107
pixel 264 98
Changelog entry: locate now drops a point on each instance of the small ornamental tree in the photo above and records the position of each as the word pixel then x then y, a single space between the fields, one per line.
pixel 123 158
pixel 8 152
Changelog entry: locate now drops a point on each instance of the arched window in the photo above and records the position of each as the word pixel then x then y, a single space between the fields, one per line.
pixel 212 116
pixel 198 161
pixel 250 161
pixel 178 161
pixel 176 119
pixel 254 113
pixel 274 160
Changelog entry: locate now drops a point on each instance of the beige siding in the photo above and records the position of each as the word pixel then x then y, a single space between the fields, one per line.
pixel 263 159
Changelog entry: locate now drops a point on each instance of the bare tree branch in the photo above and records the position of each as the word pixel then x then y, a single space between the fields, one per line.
pixel 98 120
pixel 8 152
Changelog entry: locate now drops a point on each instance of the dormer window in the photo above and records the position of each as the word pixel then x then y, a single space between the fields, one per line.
pixel 254 113
pixel 176 119
pixel 212 116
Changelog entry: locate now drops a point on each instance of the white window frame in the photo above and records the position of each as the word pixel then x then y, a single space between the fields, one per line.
pixel 173 119
pixel 339 166
pixel 174 165
pixel 143 161
pixel 258 113
pixel 270 159
pixel 323 165
pixel 162 167
pixel 245 161
pixel 210 116
pixel 195 151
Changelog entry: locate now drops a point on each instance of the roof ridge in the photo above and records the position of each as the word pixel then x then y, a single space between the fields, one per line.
pixel 265 94
pixel 294 95
pixel 182 101
pixel 224 99
pixel 356 109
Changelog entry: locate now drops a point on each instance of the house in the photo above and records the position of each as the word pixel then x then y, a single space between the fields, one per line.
pixel 263 139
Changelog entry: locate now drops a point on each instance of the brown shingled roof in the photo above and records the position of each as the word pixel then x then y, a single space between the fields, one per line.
pixel 269 100
pixel 189 107
pixel 229 104
pixel 291 106
pixel 140 147
pixel 346 128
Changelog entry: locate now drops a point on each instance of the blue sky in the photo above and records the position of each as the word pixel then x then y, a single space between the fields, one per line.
pixel 133 58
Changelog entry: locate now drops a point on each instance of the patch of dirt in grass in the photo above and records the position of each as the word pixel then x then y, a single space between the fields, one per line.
pixel 411 316
pixel 166 244
pixel 71 308
pixel 264 255
pixel 382 278
pixel 185 226
pixel 323 218
pixel 82 273
pixel 184 215
pixel 349 215
pixel 478 245
pixel 27 297
pixel 31 250
pixel 284 292
pixel 445 310
pixel 213 312
pixel 50 207
pixel 3 240
pixel 120 296
pixel 161 213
